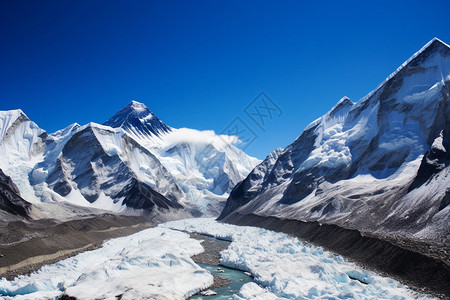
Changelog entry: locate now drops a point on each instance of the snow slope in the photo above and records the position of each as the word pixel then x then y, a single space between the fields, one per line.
pixel 288 268
pixel 21 144
pixel 379 165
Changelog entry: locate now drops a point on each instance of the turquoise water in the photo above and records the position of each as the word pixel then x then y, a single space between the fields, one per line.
pixel 227 291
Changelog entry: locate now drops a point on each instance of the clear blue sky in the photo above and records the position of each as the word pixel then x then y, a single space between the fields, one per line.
pixel 197 64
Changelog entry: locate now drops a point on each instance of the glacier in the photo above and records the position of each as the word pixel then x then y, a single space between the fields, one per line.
pixel 285 267
pixel 152 264
pixel 155 264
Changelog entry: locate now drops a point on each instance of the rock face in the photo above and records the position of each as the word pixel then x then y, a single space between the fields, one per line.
pixel 10 200
pixel 380 166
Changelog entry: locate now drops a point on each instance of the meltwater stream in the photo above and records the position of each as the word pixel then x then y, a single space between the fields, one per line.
pixel 238 279
pixel 209 260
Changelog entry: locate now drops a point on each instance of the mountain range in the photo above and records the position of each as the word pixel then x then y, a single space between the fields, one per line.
pixel 369 179
pixel 131 164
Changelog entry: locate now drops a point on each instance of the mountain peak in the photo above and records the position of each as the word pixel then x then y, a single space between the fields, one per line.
pixel 434 45
pixel 138 106
pixel 344 101
pixel 436 41
pixel 431 48
pixel 137 119
pixel 14 113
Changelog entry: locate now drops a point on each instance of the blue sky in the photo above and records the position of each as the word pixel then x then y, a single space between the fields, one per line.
pixel 198 64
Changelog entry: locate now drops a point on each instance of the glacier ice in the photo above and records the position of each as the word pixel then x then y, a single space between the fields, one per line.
pixel 288 268
pixel 154 263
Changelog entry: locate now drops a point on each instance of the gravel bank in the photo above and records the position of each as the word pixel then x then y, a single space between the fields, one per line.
pixel 211 256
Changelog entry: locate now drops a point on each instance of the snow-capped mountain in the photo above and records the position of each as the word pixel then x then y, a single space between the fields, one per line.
pixel 379 166
pixel 205 165
pixel 133 162
pixel 106 168
pixel 92 166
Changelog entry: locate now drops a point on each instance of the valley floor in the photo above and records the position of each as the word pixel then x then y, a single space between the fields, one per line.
pixel 25 246
pixel 156 263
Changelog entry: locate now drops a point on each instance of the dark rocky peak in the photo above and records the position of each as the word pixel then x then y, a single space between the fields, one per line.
pixel 137 119
pixel 431 48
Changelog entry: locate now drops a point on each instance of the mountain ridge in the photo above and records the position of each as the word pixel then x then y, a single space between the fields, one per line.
pixel 368 180
pixel 378 141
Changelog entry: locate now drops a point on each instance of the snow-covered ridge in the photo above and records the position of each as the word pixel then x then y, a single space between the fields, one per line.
pixel 102 167
pixel 425 47
pixel 343 102
pixel 370 94
pixel 7 118
pixel 206 165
